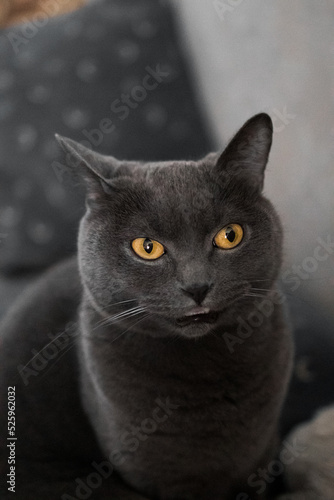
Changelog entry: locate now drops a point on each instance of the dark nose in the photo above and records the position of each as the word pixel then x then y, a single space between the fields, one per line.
pixel 198 292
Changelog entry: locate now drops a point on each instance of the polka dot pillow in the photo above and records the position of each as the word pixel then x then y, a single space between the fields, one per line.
pixel 110 74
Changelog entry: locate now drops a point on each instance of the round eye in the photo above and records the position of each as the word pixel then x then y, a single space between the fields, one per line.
pixel 147 249
pixel 229 237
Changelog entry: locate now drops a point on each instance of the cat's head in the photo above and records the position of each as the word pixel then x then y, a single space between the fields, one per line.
pixel 187 241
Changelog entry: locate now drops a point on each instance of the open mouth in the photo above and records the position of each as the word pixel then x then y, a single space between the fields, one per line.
pixel 198 315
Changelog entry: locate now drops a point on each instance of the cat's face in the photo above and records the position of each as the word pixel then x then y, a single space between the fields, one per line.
pixel 186 241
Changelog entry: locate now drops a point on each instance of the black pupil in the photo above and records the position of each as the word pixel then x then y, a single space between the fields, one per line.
pixel 148 245
pixel 230 234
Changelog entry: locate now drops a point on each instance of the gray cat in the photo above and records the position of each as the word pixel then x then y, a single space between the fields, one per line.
pixel 156 363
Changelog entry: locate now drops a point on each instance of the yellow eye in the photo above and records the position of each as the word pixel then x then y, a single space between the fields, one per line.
pixel 229 237
pixel 147 249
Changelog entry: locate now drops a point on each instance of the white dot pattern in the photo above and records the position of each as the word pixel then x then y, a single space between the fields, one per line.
pixel 87 70
pixel 9 216
pixel 128 51
pixel 40 94
pixel 75 118
pixel 26 137
pixel 40 233
pixel 155 116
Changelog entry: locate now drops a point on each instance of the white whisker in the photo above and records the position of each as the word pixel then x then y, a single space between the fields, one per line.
pixel 122 315
pixel 45 346
pixel 122 302
pixel 254 295
pixel 131 326
pixel 261 289
pixel 131 312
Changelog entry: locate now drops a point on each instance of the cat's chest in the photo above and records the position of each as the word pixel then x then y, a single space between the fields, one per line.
pixel 133 378
pixel 181 412
pixel 160 429
pixel 170 404
pixel 177 416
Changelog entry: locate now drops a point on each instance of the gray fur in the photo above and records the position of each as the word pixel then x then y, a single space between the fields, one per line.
pixel 213 403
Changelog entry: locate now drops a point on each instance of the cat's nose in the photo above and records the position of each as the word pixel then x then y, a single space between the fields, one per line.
pixel 197 291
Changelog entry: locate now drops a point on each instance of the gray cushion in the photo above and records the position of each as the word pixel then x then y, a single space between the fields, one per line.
pixel 69 76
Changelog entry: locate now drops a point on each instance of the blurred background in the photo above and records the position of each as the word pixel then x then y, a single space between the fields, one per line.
pixel 158 80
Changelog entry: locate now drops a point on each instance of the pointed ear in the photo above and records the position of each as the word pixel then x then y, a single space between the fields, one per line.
pixel 246 156
pixel 95 169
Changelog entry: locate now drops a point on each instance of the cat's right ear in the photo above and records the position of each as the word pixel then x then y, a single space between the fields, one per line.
pixel 246 156
pixel 95 169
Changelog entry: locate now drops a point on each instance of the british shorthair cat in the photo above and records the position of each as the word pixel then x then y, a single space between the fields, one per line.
pixel 177 355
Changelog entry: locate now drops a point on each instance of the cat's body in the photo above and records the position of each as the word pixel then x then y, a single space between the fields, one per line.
pixel 220 425
pixel 186 396
pixel 181 372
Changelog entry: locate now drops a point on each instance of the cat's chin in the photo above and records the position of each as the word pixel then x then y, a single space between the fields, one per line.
pixel 196 325
pixel 193 332
pixel 196 319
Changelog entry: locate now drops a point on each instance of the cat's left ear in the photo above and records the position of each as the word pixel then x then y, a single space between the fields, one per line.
pixel 95 169
pixel 246 155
